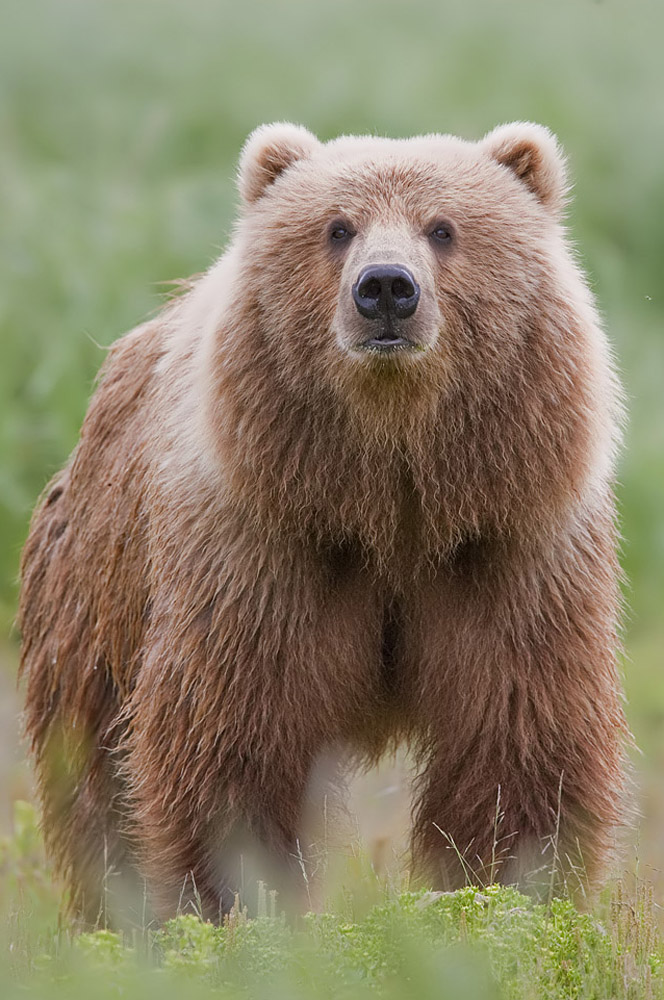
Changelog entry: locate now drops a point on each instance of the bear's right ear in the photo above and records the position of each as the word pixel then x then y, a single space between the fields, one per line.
pixel 268 151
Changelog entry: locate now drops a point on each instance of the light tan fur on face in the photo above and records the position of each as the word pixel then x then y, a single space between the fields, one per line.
pixel 388 241
pixel 269 544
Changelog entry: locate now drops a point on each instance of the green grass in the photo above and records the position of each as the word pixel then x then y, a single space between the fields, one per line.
pixel 488 943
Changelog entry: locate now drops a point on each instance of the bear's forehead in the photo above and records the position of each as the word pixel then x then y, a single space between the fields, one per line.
pixel 410 175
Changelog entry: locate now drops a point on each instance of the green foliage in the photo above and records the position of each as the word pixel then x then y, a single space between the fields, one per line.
pixel 493 943
pixel 497 942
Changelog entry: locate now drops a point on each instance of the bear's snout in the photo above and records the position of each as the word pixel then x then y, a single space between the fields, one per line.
pixel 383 291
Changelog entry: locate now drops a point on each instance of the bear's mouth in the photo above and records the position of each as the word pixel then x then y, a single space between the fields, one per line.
pixel 387 343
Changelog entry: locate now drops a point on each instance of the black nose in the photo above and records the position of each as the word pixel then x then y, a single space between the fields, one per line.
pixel 386 289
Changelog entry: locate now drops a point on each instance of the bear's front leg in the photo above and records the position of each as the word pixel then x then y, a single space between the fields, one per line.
pixel 238 698
pixel 522 733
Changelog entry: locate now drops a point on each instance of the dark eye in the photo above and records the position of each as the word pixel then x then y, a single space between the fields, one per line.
pixel 340 232
pixel 441 233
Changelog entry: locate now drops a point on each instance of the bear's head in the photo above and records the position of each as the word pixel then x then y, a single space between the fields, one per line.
pixel 374 259
pixel 407 312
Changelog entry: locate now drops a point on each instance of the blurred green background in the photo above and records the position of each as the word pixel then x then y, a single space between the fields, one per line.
pixel 120 125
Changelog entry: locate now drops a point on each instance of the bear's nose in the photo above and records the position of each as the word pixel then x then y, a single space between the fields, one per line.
pixel 386 289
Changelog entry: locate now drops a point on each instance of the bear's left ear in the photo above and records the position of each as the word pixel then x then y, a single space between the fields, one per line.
pixel 534 155
pixel 268 151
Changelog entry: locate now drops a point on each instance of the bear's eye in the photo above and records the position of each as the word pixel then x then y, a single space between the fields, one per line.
pixel 340 232
pixel 441 233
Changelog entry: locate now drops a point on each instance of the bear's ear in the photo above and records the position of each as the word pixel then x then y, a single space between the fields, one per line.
pixel 532 153
pixel 268 151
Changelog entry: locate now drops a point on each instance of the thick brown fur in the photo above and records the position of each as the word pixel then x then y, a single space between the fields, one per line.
pixel 271 544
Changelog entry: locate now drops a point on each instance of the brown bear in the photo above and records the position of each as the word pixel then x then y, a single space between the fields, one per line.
pixel 352 488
